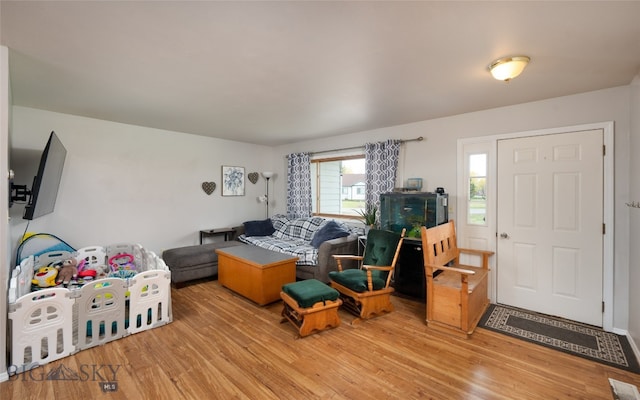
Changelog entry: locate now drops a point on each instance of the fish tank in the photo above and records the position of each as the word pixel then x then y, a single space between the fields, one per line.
pixel 412 211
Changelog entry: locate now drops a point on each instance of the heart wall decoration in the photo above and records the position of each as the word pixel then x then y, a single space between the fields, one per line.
pixel 253 177
pixel 208 187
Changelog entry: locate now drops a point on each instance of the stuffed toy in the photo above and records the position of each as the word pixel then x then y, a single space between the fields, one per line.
pixel 45 277
pixel 68 271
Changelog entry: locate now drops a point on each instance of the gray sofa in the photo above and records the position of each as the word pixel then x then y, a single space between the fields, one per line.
pixel 194 262
pixel 292 236
pixel 299 237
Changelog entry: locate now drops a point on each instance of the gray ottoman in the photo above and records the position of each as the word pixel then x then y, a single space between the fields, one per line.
pixel 194 262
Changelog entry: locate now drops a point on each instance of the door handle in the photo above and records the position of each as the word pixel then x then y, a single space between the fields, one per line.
pixel 504 235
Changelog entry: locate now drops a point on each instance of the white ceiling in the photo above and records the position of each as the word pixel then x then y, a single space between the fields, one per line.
pixel 277 72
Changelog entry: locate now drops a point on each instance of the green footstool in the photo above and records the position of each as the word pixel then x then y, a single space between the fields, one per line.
pixel 311 306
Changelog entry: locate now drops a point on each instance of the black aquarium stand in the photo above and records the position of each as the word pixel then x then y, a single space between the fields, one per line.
pixel 409 278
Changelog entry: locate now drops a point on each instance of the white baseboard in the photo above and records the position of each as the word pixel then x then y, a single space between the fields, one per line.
pixel 621 332
pixel 634 346
pixel 632 343
pixel 4 376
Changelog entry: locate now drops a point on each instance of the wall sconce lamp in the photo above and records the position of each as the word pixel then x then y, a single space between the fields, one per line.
pixel 265 199
pixel 507 68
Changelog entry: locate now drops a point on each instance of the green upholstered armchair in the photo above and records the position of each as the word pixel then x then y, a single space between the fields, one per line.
pixel 366 290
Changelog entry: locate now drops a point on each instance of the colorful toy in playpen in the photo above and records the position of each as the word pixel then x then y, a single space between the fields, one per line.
pixel 122 266
pixel 84 272
pixel 122 262
pixel 67 272
pixel 45 276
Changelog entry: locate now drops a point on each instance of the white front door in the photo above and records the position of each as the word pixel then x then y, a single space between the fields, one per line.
pixel 550 224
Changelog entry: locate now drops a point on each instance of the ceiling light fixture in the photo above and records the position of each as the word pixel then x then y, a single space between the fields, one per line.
pixel 507 68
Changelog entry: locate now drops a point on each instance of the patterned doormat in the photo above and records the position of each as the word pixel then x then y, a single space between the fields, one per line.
pixel 570 337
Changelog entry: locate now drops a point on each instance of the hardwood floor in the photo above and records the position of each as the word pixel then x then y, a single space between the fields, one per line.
pixel 221 345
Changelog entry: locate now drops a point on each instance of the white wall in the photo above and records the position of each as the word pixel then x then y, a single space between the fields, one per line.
pixel 5 101
pixel 132 184
pixel 434 159
pixel 634 215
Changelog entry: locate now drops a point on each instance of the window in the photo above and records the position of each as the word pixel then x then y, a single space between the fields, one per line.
pixel 477 195
pixel 338 185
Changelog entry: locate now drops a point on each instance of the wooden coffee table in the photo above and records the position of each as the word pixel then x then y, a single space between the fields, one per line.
pixel 256 273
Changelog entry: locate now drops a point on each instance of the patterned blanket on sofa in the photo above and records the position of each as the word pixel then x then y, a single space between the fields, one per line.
pixel 292 236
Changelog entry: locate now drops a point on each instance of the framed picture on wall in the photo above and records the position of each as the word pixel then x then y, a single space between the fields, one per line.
pixel 232 181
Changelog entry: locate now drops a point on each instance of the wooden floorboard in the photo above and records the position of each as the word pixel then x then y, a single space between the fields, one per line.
pixel 222 346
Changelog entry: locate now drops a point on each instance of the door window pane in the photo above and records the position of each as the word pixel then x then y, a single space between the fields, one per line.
pixel 477 195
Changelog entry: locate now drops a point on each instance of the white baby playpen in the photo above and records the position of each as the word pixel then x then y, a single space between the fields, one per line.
pixel 52 323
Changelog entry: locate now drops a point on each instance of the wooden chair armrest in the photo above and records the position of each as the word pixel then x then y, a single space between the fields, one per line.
pixel 485 254
pixel 340 257
pixel 452 269
pixel 378 267
pixel 346 257
pixel 476 252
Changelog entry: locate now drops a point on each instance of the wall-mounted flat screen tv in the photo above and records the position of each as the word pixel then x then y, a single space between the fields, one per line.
pixel 44 191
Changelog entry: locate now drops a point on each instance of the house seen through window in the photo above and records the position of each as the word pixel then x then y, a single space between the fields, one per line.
pixel 338 186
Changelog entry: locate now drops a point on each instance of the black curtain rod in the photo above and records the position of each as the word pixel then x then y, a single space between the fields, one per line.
pixel 418 139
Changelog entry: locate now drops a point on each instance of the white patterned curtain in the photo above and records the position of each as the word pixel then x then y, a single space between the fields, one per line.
pixel 381 165
pixel 299 185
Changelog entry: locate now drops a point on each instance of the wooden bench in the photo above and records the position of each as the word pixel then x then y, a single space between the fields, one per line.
pixel 456 293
